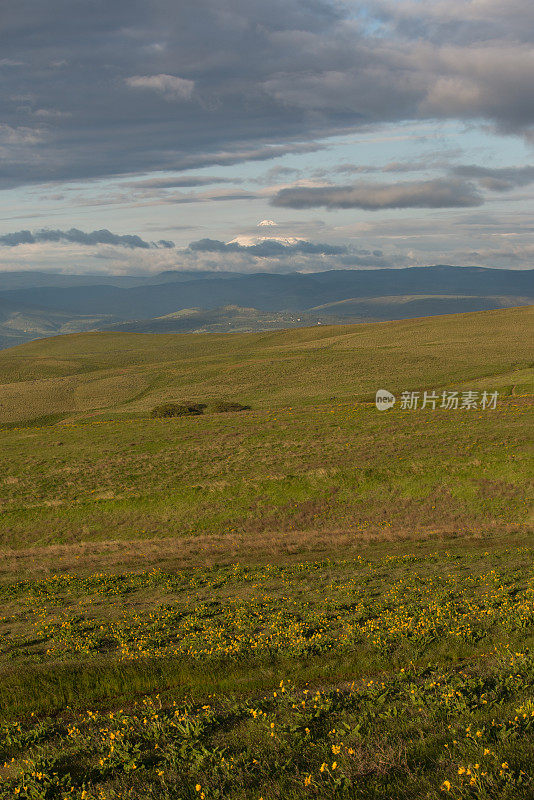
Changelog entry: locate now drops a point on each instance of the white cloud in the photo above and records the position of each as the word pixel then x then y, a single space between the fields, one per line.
pixel 20 135
pixel 51 113
pixel 11 62
pixel 170 86
pixel 248 241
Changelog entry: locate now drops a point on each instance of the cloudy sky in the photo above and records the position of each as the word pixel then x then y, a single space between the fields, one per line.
pixel 142 135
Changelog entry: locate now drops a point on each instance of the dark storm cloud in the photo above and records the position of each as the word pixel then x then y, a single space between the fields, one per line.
pixel 76 236
pixel 100 89
pixel 268 248
pixel 439 193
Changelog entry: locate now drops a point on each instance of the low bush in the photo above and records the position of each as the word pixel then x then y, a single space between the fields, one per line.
pixel 188 409
pixel 178 409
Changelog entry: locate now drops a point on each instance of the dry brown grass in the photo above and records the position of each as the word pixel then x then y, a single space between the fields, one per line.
pixel 279 546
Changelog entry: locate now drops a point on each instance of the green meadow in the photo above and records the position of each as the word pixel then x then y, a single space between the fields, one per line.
pixel 307 599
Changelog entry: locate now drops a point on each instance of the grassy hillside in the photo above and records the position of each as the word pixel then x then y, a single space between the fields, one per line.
pixel 83 461
pixel 406 306
pixel 309 599
pixel 120 373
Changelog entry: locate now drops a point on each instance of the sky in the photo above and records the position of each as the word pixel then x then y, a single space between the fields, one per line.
pixel 138 136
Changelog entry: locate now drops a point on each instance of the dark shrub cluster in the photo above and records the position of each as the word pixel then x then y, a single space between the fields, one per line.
pixel 178 409
pixel 191 409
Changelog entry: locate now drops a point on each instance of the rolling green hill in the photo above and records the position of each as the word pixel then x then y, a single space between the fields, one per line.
pixel 392 307
pixel 83 460
pixel 123 373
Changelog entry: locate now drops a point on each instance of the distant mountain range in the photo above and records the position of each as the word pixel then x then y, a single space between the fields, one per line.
pixel 38 304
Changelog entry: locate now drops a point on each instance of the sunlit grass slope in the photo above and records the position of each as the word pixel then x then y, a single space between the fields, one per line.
pixel 310 459
pixel 123 373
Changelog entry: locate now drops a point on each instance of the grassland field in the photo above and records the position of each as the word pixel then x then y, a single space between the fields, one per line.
pixel 309 599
